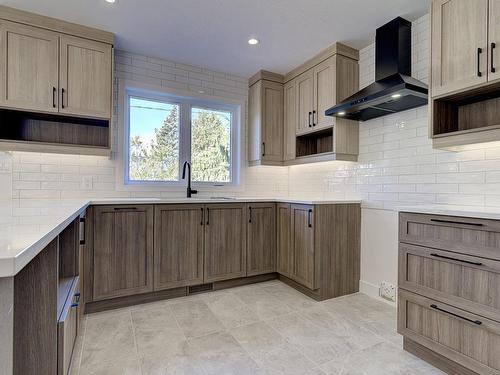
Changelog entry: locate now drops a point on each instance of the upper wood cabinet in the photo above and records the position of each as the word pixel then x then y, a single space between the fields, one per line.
pixel 178 246
pixel 225 242
pixel 85 77
pixel 289 120
pixel 459 45
pixel 266 121
pixel 494 40
pixel 123 251
pixel 261 239
pixel 49 70
pixel 305 102
pixel 30 67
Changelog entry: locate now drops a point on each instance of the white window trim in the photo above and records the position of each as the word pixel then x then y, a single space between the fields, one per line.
pixel 127 88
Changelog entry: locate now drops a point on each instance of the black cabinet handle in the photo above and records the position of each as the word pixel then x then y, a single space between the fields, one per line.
pixel 201 222
pixel 479 51
pixel 478 322
pixel 310 125
pixel 457 260
pixel 249 214
pixel 456 222
pixel 208 216
pixel 82 220
pixel 314 123
pixel 54 91
pixel 75 304
pixel 493 46
pixel 124 208
pixel 309 218
pixel 263 148
pixel 62 98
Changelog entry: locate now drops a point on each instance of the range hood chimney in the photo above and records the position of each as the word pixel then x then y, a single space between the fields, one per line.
pixel 394 90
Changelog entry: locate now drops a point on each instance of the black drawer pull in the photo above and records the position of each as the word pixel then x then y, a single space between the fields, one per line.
pixel 75 304
pixel 263 148
pixel 478 322
pixel 124 208
pixel 479 51
pixel 456 222
pixel 493 46
pixel 62 98
pixel 314 124
pixel 54 91
pixel 250 214
pixel 310 114
pixel 309 218
pixel 457 260
pixel 208 216
pixel 201 222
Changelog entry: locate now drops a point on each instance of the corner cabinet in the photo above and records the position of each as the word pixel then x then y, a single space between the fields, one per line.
pixel 261 238
pixel 297 102
pixel 55 85
pixel 465 78
pixel 265 121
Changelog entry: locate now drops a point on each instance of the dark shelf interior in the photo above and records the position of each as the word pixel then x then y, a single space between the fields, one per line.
pixel 315 143
pixel 69 260
pixel 472 110
pixel 50 128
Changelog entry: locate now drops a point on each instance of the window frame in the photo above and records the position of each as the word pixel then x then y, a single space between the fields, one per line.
pixel 186 101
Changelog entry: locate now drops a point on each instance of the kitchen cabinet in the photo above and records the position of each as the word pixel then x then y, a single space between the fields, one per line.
pixel 85 77
pixel 304 254
pixel 266 121
pixel 123 251
pixel 459 45
pixel 68 328
pixel 261 239
pixel 225 241
pixel 178 245
pixel 494 40
pixel 289 119
pixel 284 251
pixel 29 75
pixel 305 101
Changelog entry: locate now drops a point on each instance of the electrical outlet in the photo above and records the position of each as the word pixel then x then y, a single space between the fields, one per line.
pixel 387 291
pixel 86 183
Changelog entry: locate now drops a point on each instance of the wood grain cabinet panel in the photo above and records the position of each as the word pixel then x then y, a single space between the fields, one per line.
pixel 85 77
pixel 225 242
pixel 303 245
pixel 29 75
pixel 494 40
pixel 470 283
pixel 305 101
pixel 178 246
pixel 459 45
pixel 468 339
pixel 470 236
pixel 123 251
pixel 284 244
pixel 324 92
pixel 261 239
pixel 289 119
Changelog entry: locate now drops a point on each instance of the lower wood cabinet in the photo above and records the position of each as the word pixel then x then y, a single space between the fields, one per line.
pixel 68 329
pixel 225 241
pixel 304 255
pixel 123 251
pixel 284 252
pixel 178 245
pixel 261 239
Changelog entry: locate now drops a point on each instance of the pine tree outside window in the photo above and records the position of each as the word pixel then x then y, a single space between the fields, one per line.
pixel 163 131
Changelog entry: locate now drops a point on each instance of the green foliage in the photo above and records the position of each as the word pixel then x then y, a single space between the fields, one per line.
pixel 211 153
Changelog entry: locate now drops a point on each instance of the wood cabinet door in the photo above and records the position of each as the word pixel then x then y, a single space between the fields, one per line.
pixel 85 77
pixel 284 240
pixel 290 120
pixel 123 251
pixel 30 65
pixel 225 242
pixel 304 102
pixel 254 122
pixel 261 239
pixel 459 44
pixel 303 245
pixel 272 121
pixel 324 93
pixel 178 246
pixel 494 41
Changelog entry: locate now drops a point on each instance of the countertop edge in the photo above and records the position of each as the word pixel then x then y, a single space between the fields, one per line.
pixel 491 213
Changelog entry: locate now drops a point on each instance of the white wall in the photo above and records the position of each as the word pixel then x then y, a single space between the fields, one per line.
pixel 397 165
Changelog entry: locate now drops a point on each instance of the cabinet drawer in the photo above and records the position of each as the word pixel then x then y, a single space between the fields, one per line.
pixel 465 338
pixel 478 237
pixel 468 282
pixel 67 329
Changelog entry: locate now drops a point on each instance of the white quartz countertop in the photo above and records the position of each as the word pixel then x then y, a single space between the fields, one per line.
pixel 28 226
pixel 459 211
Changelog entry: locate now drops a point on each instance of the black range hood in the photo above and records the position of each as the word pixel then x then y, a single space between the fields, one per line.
pixel 394 90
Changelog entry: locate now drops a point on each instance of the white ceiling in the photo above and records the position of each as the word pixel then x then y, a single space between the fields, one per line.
pixel 214 33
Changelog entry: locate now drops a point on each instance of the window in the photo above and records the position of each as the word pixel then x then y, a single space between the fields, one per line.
pixel 162 131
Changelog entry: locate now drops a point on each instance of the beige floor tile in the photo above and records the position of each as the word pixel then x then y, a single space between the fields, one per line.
pixel 283 359
pixel 111 366
pixel 263 304
pixel 195 318
pixel 292 298
pixel 257 337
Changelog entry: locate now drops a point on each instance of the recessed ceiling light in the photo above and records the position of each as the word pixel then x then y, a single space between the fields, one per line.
pixel 253 41
pixel 395 96
pixel 110 1
pixel 341 113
